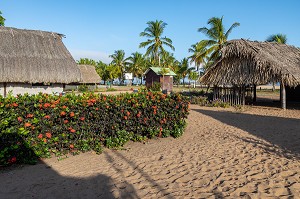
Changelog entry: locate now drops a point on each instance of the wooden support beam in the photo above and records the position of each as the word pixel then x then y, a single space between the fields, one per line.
pixel 283 95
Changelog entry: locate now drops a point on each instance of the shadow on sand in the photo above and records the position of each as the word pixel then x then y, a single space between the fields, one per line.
pixel 41 181
pixel 282 134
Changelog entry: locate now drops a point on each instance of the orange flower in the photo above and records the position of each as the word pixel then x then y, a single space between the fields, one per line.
pixel 96 109
pixel 71 146
pixel 46 105
pixel 63 113
pixel 27 124
pixel 47 116
pixel 29 115
pixel 45 140
pixel 66 121
pixel 72 114
pixel 64 107
pixel 72 130
pixel 82 118
pixel 40 136
pixel 20 119
pixel 125 117
pixel 53 106
pixel 14 104
pixel 48 135
pixel 128 113
pixel 107 106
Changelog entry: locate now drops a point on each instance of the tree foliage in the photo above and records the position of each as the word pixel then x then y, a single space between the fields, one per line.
pixel 2 19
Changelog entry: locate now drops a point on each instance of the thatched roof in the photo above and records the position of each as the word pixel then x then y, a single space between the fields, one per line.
pixel 35 56
pixel 252 62
pixel 89 74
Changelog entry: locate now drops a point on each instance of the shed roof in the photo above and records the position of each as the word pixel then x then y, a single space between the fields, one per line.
pixel 35 56
pixel 157 70
pixel 251 62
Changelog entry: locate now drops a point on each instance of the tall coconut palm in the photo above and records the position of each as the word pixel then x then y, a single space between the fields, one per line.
pixel 199 56
pixel 184 69
pixel 217 35
pixel 137 64
pixel 279 38
pixel 120 62
pixel 2 19
pixel 155 42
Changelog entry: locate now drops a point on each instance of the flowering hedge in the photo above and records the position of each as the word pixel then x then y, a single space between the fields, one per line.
pixel 36 126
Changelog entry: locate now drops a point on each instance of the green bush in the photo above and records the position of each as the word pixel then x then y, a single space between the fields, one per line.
pixel 37 126
pixel 155 87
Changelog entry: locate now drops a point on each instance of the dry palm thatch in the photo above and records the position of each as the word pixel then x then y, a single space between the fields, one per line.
pixel 246 62
pixel 34 56
pixel 89 74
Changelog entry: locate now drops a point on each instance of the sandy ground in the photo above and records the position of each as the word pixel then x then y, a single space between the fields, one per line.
pixel 223 153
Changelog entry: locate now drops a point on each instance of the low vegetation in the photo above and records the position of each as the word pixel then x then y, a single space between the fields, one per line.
pixel 37 126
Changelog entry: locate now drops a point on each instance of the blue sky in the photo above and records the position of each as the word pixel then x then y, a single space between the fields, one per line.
pixel 95 29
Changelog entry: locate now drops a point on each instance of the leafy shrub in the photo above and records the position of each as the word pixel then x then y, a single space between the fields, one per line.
pixel 83 88
pixel 36 126
pixel 155 87
pixel 111 89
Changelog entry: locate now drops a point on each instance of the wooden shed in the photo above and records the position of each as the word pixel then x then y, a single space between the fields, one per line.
pixel 244 64
pixel 33 61
pixel 154 74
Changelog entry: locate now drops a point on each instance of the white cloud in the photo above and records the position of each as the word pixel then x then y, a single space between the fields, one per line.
pixel 95 55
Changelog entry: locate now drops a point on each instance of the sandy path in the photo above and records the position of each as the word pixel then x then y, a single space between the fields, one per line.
pixel 223 154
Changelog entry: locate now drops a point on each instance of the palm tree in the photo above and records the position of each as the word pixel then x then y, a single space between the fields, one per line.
pixel 217 37
pixel 2 19
pixel 120 62
pixel 193 75
pixel 86 61
pixel 155 43
pixel 199 55
pixel 279 38
pixel 184 69
pixel 137 64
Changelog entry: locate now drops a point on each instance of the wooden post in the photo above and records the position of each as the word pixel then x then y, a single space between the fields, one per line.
pixel 4 93
pixel 283 95
pixel 254 92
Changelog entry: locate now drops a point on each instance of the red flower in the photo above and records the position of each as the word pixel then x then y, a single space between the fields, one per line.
pixel 29 115
pixel 20 119
pixel 47 116
pixel 27 124
pixel 125 117
pixel 139 114
pixel 128 113
pixel 46 105
pixel 71 146
pixel 96 109
pixel 40 136
pixel 66 121
pixel 72 130
pixel 72 114
pixel 82 118
pixel 12 160
pixel 14 104
pixel 64 107
pixel 63 113
pixel 48 135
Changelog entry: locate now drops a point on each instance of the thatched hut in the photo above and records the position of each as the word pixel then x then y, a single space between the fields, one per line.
pixel 89 78
pixel 246 63
pixel 33 61
pixel 154 75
